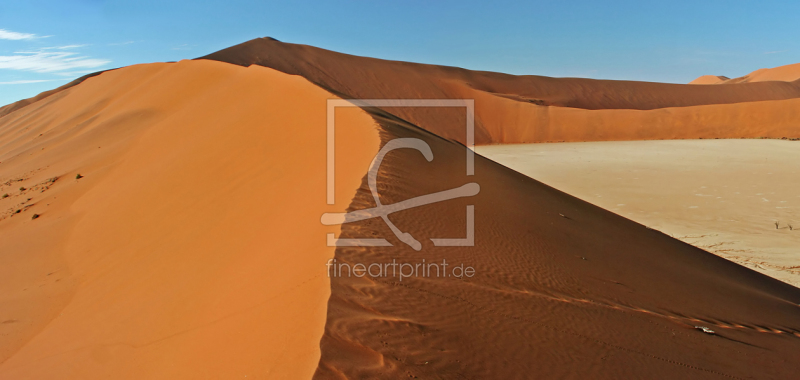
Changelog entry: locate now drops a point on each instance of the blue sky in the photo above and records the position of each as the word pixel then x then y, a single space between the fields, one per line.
pixel 44 44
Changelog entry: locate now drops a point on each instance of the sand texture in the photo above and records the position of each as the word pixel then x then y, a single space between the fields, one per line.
pixel 724 196
pixel 562 289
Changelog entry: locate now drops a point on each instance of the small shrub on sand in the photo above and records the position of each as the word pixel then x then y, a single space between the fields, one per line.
pixel 78 176
pixel 777 225
pixel 5 196
pixel 34 216
pixel 22 188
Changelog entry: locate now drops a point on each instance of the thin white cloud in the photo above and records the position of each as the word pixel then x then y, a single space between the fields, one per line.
pixel 775 52
pixel 121 43
pixel 9 35
pixel 49 61
pixel 65 47
pixel 29 81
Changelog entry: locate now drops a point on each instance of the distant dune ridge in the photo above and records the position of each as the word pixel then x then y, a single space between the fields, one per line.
pixel 514 109
pixel 530 108
pixel 787 73
pixel 710 79
pixel 178 230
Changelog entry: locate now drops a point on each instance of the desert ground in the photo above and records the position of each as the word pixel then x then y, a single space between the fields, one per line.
pixel 163 221
pixel 724 196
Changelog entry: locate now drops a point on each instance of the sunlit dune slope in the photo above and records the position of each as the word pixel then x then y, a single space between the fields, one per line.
pixel 518 109
pixel 7 109
pixel 710 79
pixel 191 247
pixel 788 73
pixel 562 289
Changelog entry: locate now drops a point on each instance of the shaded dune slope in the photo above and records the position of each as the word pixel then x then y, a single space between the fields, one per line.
pixel 562 289
pixel 191 248
pixel 519 109
pixel 371 78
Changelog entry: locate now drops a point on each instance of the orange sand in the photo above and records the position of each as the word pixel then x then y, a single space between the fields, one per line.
pixel 192 247
pixel 529 108
pixel 562 289
pixel 787 73
pixel 710 79
pixel 7 109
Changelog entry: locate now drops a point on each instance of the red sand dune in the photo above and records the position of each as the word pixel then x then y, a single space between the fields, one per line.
pixel 192 247
pixel 563 289
pixel 710 79
pixel 517 109
pixel 788 73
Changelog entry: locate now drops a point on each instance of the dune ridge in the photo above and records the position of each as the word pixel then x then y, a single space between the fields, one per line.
pixel 710 79
pixel 520 109
pixel 786 73
pixel 191 247
pixel 709 193
pixel 531 109
pixel 7 109
pixel 562 289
